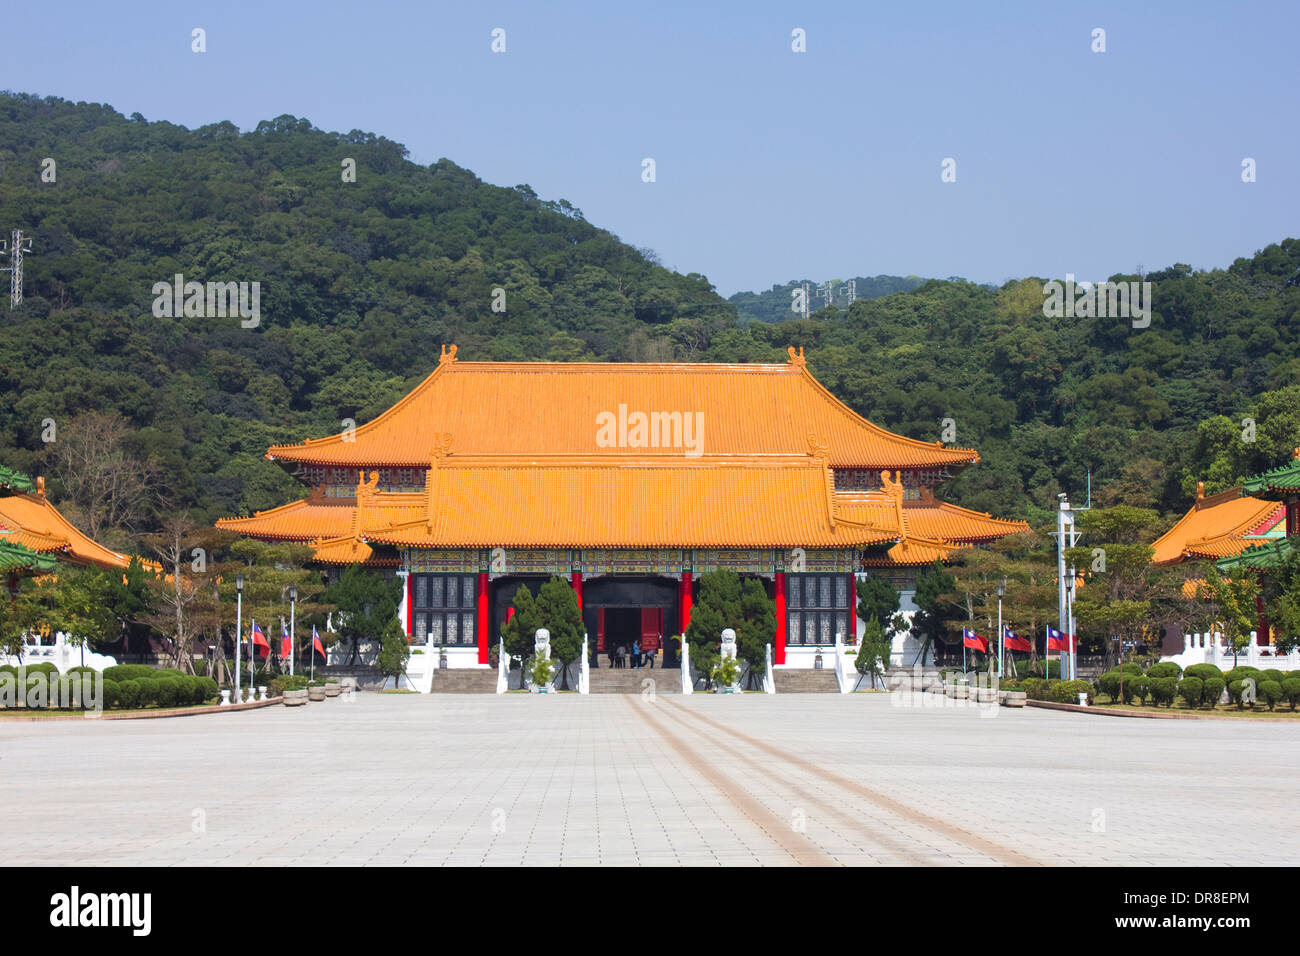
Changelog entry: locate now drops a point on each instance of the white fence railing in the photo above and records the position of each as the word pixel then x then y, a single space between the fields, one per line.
pixel 841 676
pixel 1212 649
pixel 584 670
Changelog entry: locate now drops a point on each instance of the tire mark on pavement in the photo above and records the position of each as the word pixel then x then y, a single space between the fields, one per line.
pixel 801 849
pixel 1003 854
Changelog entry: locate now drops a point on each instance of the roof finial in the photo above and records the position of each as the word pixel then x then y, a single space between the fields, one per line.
pixel 448 354
pixel 796 359
pixel 40 483
pixel 1200 490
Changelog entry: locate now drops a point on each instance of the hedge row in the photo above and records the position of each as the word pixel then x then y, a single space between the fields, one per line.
pixel 81 688
pixel 1202 685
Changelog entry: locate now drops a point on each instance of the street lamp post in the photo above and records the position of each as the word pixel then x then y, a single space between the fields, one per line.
pixel 1002 590
pixel 239 630
pixel 293 635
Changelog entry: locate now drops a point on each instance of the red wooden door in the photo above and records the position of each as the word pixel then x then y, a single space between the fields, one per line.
pixel 651 627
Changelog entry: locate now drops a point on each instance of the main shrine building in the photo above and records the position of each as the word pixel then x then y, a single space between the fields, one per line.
pixel 629 480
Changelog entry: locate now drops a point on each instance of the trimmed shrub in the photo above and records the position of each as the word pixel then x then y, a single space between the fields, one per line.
pixel 44 667
pixel 1212 691
pixel 1241 673
pixel 1271 675
pixel 1203 671
pixel 112 694
pixel 169 692
pixel 1235 689
pixel 148 691
pixel 208 689
pixel 1068 691
pixel 1141 687
pixel 1270 692
pixel 1109 684
pixel 128 693
pixel 123 672
pixel 1163 690
pixel 1036 688
pixel 1130 668
pixel 1170 669
pixel 1291 691
pixel 1191 689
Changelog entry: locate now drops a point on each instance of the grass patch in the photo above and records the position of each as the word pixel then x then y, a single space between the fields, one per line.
pixel 1180 707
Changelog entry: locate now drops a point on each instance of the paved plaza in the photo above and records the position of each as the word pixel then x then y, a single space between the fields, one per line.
pixel 701 780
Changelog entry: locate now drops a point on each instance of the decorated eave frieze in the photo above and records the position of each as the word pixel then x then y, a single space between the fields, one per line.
pixel 599 562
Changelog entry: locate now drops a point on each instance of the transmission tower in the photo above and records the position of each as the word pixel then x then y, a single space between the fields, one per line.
pixel 827 291
pixel 853 291
pixel 17 246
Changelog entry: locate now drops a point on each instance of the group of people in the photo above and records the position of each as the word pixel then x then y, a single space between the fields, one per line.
pixel 620 655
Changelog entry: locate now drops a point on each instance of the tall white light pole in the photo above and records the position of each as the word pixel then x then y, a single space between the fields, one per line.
pixel 1002 590
pixel 293 635
pixel 239 630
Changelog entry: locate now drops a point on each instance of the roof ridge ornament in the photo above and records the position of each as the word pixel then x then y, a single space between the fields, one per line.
pixel 40 484
pixel 448 355
pixel 818 448
pixel 797 359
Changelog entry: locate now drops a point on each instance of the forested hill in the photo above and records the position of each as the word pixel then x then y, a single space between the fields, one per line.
pixel 361 282
pixel 774 305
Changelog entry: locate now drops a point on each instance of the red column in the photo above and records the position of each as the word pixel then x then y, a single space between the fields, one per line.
pixel 853 608
pixel 1292 518
pixel 577 587
pixel 685 602
pixel 482 617
pixel 410 622
pixel 778 652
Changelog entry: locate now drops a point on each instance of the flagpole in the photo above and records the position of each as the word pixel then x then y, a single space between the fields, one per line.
pixel 239 630
pixel 293 635
pixel 1002 590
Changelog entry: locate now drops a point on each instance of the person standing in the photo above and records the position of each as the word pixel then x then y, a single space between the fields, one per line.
pixel 636 653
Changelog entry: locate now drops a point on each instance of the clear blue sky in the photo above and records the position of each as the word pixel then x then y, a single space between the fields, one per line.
pixel 771 165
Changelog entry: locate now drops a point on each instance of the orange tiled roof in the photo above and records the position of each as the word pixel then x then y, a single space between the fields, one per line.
pixel 931 518
pixel 29 517
pixel 914 552
pixel 304 520
pixel 1216 527
pixel 487 501
pixel 552 408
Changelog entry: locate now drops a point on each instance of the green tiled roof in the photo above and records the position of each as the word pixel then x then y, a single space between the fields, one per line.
pixel 15 480
pixel 1259 558
pixel 14 557
pixel 1283 478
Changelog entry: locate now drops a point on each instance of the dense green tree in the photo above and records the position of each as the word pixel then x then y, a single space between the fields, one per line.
pixel 726 600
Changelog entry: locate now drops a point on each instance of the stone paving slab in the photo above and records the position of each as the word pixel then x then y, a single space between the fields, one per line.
pixel 706 780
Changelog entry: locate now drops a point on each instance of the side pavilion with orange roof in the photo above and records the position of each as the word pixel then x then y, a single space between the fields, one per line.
pixel 28 519
pixel 630 480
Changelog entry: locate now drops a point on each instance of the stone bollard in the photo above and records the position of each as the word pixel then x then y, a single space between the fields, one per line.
pixel 333 688
pixel 225 698
pixel 261 692
pixel 295 698
pixel 1015 698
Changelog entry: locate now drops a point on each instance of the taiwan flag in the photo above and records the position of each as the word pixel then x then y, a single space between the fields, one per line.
pixel 260 642
pixel 316 644
pixel 1014 642
pixel 1056 641
pixel 286 643
pixel 974 641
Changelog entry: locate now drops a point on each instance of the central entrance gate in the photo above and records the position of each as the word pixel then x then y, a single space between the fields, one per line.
pixel 620 610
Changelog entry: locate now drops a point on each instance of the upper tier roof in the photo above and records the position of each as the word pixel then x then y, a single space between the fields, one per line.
pixel 552 408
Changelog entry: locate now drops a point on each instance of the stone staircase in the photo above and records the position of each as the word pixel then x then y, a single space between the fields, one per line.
pixel 465 680
pixel 805 681
pixel 627 680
